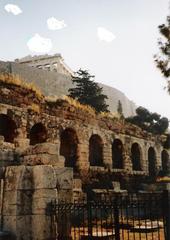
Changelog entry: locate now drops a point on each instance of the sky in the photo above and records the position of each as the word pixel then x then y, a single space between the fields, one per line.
pixel 114 39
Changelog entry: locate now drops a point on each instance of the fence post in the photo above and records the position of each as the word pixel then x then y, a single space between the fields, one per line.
pixel 116 219
pixel 89 219
pixel 166 213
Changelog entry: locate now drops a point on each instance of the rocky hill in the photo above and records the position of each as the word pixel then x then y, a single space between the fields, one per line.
pixel 53 83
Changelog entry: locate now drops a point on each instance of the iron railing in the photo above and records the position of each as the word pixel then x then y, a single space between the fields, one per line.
pixel 120 216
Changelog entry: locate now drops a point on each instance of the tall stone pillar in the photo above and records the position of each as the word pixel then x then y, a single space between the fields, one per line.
pixel 107 155
pixel 27 192
pixel 83 157
pixel 127 155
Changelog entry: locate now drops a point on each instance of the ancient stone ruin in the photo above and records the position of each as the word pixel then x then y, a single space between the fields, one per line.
pixel 53 150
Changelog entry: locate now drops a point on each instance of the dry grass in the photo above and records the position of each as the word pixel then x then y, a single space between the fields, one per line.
pixel 80 106
pixel 86 108
pixel 18 81
pixel 110 115
pixel 51 99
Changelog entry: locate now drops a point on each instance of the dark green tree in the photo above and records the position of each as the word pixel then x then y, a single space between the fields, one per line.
pixel 120 108
pixel 163 59
pixel 151 122
pixel 87 91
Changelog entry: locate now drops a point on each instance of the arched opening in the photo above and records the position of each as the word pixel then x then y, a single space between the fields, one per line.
pixel 165 160
pixel 38 134
pixel 68 147
pixel 96 150
pixel 152 162
pixel 117 154
pixel 136 157
pixel 7 128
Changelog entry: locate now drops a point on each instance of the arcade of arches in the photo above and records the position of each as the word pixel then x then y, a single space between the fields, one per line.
pixel 97 151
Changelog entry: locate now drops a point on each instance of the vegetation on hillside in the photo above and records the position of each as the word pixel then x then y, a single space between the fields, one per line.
pixel 88 92
pixel 18 81
pixel 151 122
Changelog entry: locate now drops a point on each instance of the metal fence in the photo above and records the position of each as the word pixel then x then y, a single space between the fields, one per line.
pixel 119 217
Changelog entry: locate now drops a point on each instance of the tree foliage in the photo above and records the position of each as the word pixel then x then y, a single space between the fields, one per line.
pixel 151 122
pixel 87 91
pixel 163 59
pixel 120 108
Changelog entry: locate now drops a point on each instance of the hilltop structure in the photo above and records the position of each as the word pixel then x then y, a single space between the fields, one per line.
pixel 47 62
pixel 56 150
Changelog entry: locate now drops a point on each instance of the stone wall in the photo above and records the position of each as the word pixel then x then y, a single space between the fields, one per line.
pixel 59 116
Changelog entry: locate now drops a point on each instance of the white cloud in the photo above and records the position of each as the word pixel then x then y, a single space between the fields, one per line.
pixel 105 35
pixel 39 44
pixel 11 8
pixel 54 24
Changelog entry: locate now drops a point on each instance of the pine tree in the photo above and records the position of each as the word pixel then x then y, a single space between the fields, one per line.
pixel 163 59
pixel 120 108
pixel 87 91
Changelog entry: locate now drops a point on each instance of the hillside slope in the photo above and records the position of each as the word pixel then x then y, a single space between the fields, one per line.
pixel 52 83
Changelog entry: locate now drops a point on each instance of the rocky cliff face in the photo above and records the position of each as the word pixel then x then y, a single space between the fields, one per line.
pixel 114 95
pixel 53 83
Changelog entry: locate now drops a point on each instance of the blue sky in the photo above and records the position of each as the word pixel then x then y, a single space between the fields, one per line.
pixel 125 63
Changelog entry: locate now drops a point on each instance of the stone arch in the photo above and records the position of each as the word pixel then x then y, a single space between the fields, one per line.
pixel 69 147
pixel 136 155
pixel 117 154
pixel 96 150
pixel 152 162
pixel 164 160
pixel 7 128
pixel 38 134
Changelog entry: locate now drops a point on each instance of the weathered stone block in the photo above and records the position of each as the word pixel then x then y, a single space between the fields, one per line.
pixel 41 228
pixel 41 148
pixel 18 177
pixel 18 202
pixel 9 224
pixel 22 142
pixel 77 183
pixel 24 227
pixel 65 195
pixel 40 159
pixel 29 227
pixel 10 203
pixel 64 178
pixel 45 193
pixel 41 199
pixel 44 177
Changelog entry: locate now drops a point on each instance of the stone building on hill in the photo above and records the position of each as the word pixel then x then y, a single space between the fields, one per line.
pixel 47 62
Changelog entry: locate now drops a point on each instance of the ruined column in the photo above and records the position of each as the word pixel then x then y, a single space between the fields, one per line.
pixel 27 192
